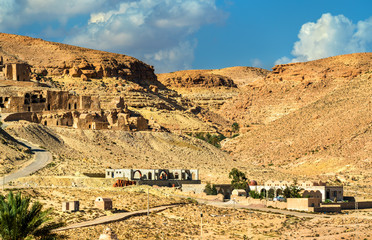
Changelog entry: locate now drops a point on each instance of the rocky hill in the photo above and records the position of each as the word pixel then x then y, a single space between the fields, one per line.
pixel 225 77
pixel 195 78
pixel 56 59
pixel 308 118
pixel 242 75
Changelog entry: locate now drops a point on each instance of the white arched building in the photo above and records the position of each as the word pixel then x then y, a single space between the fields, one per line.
pixel 309 189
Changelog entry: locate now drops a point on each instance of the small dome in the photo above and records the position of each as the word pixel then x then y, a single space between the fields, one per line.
pixel 252 183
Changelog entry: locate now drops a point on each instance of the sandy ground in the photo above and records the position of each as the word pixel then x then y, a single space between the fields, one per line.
pixel 184 221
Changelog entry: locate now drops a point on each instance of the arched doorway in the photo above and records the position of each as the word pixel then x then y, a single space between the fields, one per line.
pixel 137 174
pixel 271 193
pixel 163 175
pixel 263 192
pixel 176 176
pixel 279 192
pixel 149 176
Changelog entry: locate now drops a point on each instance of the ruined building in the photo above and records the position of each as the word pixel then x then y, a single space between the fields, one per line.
pixel 14 71
pixel 63 108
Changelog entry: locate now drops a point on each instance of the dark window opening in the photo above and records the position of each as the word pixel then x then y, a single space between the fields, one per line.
pixel 29 109
pixel 69 106
pixel 75 106
pixel 45 123
pixel 48 107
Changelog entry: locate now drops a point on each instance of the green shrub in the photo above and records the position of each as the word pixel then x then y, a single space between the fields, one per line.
pixel 210 189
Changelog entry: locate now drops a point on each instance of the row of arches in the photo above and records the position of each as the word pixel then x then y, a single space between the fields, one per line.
pixel 137 175
pixel 271 193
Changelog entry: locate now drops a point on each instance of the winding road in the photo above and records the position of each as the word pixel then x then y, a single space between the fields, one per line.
pixel 41 159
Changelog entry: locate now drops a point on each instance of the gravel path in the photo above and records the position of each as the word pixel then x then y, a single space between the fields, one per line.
pixel 114 218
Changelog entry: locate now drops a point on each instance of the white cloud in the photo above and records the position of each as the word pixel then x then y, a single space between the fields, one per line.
pixel 159 32
pixel 169 59
pixel 256 63
pixel 330 36
pixel 18 13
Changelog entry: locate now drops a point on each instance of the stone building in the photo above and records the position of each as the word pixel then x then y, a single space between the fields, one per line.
pixel 63 108
pixel 153 174
pixel 71 206
pixel 103 203
pixel 46 100
pixel 310 189
pixel 14 71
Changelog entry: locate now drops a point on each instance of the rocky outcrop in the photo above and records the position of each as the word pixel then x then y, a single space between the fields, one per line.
pixel 195 78
pixel 56 59
pixel 339 67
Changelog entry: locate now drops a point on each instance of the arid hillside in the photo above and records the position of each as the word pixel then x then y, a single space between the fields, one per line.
pixel 13 153
pixel 315 124
pixel 311 118
pixel 56 59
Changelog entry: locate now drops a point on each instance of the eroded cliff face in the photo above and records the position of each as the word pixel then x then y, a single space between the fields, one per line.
pixel 195 78
pixel 56 59
pixel 344 67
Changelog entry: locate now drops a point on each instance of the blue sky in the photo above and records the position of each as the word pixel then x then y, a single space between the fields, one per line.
pixel 199 34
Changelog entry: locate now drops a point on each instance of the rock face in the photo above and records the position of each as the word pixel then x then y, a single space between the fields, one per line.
pixel 56 59
pixel 341 67
pixel 226 77
pixel 195 78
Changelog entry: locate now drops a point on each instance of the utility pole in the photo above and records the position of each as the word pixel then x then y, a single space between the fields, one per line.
pixel 201 225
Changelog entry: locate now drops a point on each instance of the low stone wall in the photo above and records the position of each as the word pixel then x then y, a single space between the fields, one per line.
pixel 195 188
pixel 350 205
pixel 329 208
pixel 276 204
pixel 167 183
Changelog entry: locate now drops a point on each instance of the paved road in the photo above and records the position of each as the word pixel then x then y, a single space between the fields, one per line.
pixel 41 159
pixel 114 218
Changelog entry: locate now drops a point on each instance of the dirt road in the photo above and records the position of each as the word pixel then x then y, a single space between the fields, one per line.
pixel 114 218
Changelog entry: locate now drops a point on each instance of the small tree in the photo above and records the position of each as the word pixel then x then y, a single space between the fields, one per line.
pixel 235 127
pixel 210 189
pixel 292 191
pixel 19 219
pixel 255 195
pixel 239 180
pixel 271 193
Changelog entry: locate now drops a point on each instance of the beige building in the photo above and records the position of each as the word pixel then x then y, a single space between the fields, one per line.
pixel 14 71
pixel 310 189
pixel 103 203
